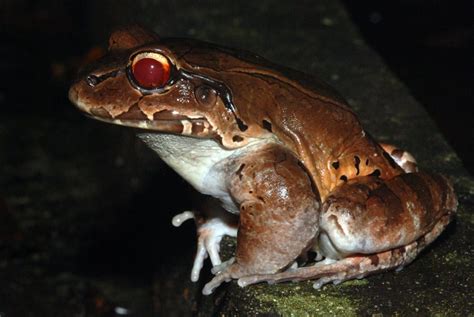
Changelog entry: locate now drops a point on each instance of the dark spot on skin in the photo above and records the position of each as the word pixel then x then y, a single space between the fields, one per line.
pixel 374 259
pixel 218 138
pixel 237 138
pixel 367 162
pixel 239 171
pixel 242 126
pixel 261 199
pixel 333 218
pixel 250 191
pixel 375 173
pixel 343 178
pixel 390 160
pixel 267 125
pixel 335 165
pixel 357 162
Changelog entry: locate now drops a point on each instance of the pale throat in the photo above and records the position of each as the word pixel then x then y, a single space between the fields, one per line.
pixel 192 158
pixel 203 163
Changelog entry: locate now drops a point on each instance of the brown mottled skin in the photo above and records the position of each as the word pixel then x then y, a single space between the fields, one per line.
pixel 322 182
pixel 258 188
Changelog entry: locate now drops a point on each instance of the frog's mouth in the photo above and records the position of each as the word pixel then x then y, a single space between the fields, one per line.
pixel 164 121
pixel 199 127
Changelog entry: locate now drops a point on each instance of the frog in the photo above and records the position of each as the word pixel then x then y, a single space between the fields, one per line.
pixel 281 152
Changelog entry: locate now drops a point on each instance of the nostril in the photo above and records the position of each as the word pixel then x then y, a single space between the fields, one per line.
pixel 92 80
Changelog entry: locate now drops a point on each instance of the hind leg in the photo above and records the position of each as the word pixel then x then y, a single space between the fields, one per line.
pixel 370 225
pixel 352 267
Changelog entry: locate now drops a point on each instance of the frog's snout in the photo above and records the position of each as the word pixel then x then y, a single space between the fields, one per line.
pixel 73 94
pixel 74 97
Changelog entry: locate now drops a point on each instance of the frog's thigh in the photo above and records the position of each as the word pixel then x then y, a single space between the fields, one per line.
pixel 279 213
pixel 370 215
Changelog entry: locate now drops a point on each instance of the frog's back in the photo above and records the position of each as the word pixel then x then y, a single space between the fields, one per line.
pixel 306 114
pixel 224 59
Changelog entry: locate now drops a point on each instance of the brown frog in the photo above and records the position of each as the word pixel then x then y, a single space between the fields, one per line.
pixel 281 150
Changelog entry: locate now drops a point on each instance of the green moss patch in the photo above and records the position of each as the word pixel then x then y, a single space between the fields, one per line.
pixel 303 300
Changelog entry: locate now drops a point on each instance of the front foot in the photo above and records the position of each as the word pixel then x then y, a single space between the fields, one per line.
pixel 210 233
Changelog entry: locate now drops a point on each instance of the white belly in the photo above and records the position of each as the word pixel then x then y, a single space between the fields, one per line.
pixel 201 162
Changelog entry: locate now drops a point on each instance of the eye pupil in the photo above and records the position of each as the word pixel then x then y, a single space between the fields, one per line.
pixel 150 73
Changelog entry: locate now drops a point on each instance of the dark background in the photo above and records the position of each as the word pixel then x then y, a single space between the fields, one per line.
pixel 426 44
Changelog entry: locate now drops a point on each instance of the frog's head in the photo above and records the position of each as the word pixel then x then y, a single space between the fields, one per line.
pixel 157 85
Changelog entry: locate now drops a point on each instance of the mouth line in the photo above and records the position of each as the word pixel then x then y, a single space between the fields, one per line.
pixel 187 126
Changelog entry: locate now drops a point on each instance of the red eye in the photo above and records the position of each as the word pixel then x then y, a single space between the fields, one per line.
pixel 151 70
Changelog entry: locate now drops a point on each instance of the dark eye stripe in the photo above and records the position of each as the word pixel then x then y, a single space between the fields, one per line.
pixel 94 80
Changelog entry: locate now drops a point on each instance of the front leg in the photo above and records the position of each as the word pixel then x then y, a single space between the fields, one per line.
pixel 212 224
pixel 279 214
